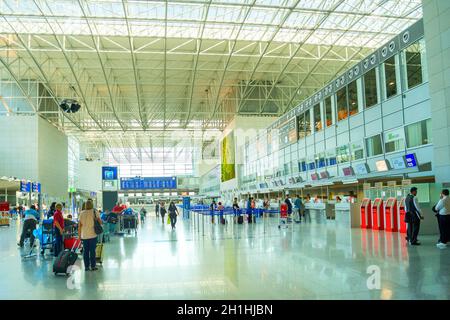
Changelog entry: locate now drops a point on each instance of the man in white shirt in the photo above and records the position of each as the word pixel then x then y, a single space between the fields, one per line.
pixel 442 209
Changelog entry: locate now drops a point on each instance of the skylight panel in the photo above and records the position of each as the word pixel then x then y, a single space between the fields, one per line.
pixel 178 11
pixel 265 16
pixel 105 9
pixel 225 14
pixel 146 10
pixel 303 19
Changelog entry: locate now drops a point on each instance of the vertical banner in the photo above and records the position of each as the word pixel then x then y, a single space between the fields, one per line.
pixel 186 207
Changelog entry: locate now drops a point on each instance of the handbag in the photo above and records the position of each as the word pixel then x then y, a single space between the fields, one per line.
pixel 408 217
pixel 168 219
pixel 97 226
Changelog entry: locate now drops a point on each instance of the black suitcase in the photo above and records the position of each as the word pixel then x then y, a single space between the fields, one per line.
pixel 251 219
pixel 65 259
pixel 240 219
pixel 222 221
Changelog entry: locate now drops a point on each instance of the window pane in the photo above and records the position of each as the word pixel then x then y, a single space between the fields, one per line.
pixel 301 126
pixel 373 146
pixel 353 98
pixel 370 88
pixel 307 122
pixel 328 116
pixel 394 140
pixel 342 154
pixel 341 99
pixel 418 134
pixel 357 150
pixel 413 65
pixel 389 75
pixel 317 118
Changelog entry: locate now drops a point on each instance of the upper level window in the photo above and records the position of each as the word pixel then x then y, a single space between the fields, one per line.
pixel 390 77
pixel 370 88
pixel 301 126
pixel 341 101
pixel 343 154
pixel 328 112
pixel 308 122
pixel 352 98
pixel 394 140
pixel 357 150
pixel 414 55
pixel 317 118
pixel 418 133
pixel 374 146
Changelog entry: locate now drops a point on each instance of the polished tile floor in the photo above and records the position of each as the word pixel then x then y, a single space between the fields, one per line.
pixel 313 260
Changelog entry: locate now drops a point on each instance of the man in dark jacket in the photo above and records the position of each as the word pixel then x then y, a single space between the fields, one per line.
pixel 289 205
pixel 412 217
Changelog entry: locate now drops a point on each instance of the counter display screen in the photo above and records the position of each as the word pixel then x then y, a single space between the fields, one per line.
pixel 109 173
pixel 411 161
pixel 25 186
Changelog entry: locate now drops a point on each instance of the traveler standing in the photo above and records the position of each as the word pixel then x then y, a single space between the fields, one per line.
pixel 51 211
pixel 143 214
pixel 442 210
pixel 289 205
pixel 157 208
pixel 212 207
pixel 29 225
pixel 412 217
pixel 58 225
pixel 162 211
pixel 298 207
pixel 88 236
pixel 173 212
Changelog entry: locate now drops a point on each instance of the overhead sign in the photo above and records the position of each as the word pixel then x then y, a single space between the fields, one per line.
pixel 143 183
pixel 109 173
pixel 25 186
pixel 411 160
pixel 36 187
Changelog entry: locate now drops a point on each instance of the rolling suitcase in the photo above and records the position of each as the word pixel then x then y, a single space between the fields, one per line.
pixel 99 253
pixel 65 259
pixel 240 220
pixel 72 243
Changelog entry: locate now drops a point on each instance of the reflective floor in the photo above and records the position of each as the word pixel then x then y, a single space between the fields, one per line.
pixel 312 260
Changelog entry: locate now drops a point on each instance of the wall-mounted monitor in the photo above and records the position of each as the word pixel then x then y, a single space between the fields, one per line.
pixel 324 175
pixel 382 165
pixel 362 168
pixel 411 160
pixel 109 173
pixel 314 177
pixel 398 163
pixel 348 171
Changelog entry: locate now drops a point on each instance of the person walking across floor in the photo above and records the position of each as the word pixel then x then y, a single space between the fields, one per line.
pixel 58 226
pixel 29 225
pixel 289 206
pixel 412 217
pixel 162 211
pixel 173 213
pixel 88 236
pixel 157 208
pixel 442 210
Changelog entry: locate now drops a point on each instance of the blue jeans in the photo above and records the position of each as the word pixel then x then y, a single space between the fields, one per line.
pixel 89 246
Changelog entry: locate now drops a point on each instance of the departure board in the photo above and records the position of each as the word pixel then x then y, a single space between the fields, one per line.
pixel 288 132
pixel 145 183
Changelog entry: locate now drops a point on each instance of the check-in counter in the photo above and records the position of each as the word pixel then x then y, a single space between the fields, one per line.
pixel 317 211
pixel 342 212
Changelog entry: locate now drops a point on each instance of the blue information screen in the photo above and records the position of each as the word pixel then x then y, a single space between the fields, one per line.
pixel 36 187
pixel 25 186
pixel 148 183
pixel 411 161
pixel 109 173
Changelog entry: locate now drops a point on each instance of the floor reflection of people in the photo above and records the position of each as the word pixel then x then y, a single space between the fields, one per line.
pixel 443 274
pixel 415 274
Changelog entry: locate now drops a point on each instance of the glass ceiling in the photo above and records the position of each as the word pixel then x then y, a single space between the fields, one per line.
pixel 338 22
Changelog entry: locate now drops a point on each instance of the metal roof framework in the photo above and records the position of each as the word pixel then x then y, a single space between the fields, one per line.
pixel 145 69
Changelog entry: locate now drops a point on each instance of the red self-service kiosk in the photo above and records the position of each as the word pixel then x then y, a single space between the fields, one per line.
pixel 365 213
pixel 401 216
pixel 377 214
pixel 391 215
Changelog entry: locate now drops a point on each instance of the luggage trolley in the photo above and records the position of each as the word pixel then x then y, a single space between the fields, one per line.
pixel 128 223
pixel 45 235
pixel 283 216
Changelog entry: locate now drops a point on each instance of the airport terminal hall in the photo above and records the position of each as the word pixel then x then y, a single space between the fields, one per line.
pixel 224 150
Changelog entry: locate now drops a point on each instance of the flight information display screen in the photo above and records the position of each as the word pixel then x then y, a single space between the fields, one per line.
pixel 146 183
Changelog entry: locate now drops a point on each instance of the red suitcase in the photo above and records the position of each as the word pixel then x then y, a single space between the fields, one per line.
pixel 72 243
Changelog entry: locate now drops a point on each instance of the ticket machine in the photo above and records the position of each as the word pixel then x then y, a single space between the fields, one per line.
pixel 401 216
pixel 365 213
pixel 391 215
pixel 377 214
